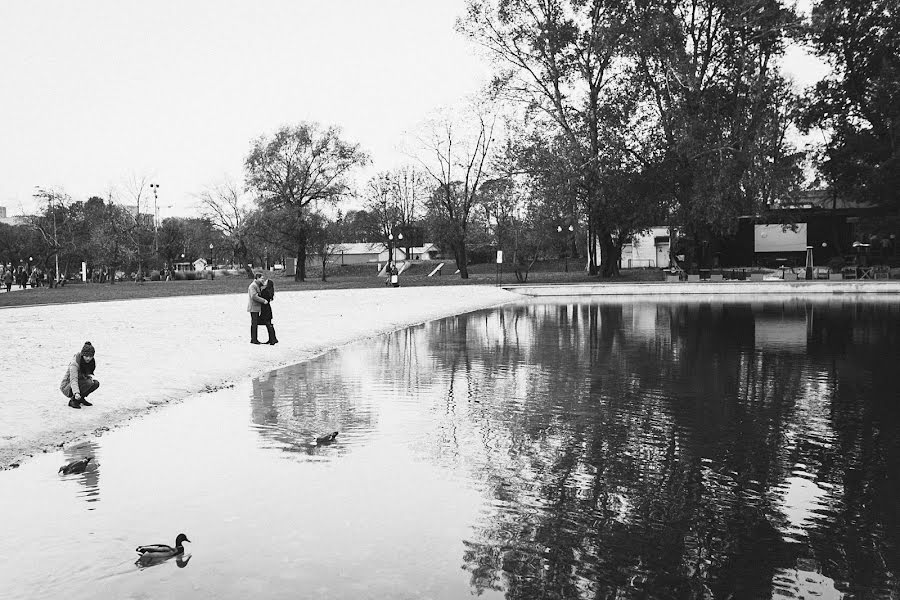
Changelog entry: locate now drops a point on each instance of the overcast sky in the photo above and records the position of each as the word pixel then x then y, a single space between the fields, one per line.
pixel 97 92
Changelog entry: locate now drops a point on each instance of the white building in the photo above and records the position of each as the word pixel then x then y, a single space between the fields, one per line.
pixel 648 250
pixel 20 220
pixel 365 252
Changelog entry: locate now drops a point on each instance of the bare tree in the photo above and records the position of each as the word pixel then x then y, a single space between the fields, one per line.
pixel 227 208
pixel 54 226
pixel 411 189
pixel 457 153
pixel 321 236
pixel 381 202
pixel 137 195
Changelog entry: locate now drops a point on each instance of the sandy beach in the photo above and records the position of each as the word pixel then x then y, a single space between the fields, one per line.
pixel 155 351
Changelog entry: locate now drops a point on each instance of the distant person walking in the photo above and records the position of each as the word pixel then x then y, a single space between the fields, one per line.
pixel 254 304
pixel 265 313
pixel 8 279
pixel 79 380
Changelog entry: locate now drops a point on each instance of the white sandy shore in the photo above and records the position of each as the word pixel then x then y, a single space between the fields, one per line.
pixel 150 352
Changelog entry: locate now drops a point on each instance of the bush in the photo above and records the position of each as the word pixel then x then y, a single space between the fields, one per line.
pixel 192 275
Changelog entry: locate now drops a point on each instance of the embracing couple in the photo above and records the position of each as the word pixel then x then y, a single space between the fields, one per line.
pixel 261 293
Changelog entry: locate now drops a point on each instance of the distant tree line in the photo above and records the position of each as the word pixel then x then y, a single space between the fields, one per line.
pixel 604 118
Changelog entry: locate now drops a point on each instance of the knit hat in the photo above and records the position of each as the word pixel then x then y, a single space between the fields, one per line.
pixel 87 349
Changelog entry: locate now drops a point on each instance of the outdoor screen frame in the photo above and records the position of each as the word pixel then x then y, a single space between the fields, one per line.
pixel 780 238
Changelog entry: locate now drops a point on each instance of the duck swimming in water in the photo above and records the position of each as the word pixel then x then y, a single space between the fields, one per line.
pixel 163 550
pixel 326 439
pixel 76 466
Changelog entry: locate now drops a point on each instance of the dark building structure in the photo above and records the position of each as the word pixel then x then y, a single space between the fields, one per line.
pixel 780 235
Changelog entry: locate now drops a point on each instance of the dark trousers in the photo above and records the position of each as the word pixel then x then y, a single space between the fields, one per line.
pixel 86 385
pixel 254 325
pixel 271 331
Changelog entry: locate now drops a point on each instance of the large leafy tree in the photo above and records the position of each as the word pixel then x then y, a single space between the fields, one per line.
pixel 857 103
pixel 562 61
pixel 358 226
pixel 17 244
pixel 113 237
pixel 707 68
pixel 227 210
pixel 300 165
pixel 58 225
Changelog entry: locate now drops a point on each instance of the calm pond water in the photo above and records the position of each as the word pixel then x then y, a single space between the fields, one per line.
pixel 567 449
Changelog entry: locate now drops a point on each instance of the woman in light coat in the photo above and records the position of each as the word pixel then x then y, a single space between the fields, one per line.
pixel 79 380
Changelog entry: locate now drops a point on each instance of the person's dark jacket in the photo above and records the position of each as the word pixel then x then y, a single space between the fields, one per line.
pixel 265 311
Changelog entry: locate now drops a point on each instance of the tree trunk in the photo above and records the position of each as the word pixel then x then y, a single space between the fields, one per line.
pixel 300 274
pixel 462 259
pixel 592 244
pixel 608 263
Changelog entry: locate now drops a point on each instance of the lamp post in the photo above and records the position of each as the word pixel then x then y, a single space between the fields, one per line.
pixel 155 188
pixel 212 260
pixel 390 250
pixel 809 263
pixel 391 269
pixel 559 230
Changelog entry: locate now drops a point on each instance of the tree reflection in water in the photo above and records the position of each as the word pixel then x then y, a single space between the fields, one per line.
pixel 681 449
pixel 653 449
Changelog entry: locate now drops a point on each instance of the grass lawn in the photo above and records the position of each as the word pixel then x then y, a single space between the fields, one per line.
pixel 350 276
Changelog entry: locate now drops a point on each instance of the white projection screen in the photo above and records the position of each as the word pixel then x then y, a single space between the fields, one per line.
pixel 777 238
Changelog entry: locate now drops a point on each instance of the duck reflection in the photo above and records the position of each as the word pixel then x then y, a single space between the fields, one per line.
pixel 291 408
pixel 88 477
pixel 146 561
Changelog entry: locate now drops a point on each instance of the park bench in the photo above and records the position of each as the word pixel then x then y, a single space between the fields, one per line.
pixel 849 272
pixel 881 272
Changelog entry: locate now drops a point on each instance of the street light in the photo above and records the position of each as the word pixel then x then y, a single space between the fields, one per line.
pixel 809 263
pixel 155 188
pixel 211 259
pixel 559 230
pixel 391 269
pixel 390 250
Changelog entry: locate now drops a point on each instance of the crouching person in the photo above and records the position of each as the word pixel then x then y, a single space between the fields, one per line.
pixel 79 382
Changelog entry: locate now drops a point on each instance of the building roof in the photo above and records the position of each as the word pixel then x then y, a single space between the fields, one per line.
pixel 824 198
pixel 359 248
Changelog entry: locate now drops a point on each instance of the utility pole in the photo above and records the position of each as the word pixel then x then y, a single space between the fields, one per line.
pixel 55 249
pixel 155 188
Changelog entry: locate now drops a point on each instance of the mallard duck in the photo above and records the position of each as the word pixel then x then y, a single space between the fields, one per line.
pixel 163 550
pixel 326 439
pixel 76 466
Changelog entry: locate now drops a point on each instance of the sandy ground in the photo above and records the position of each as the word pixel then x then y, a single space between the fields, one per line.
pixel 151 352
